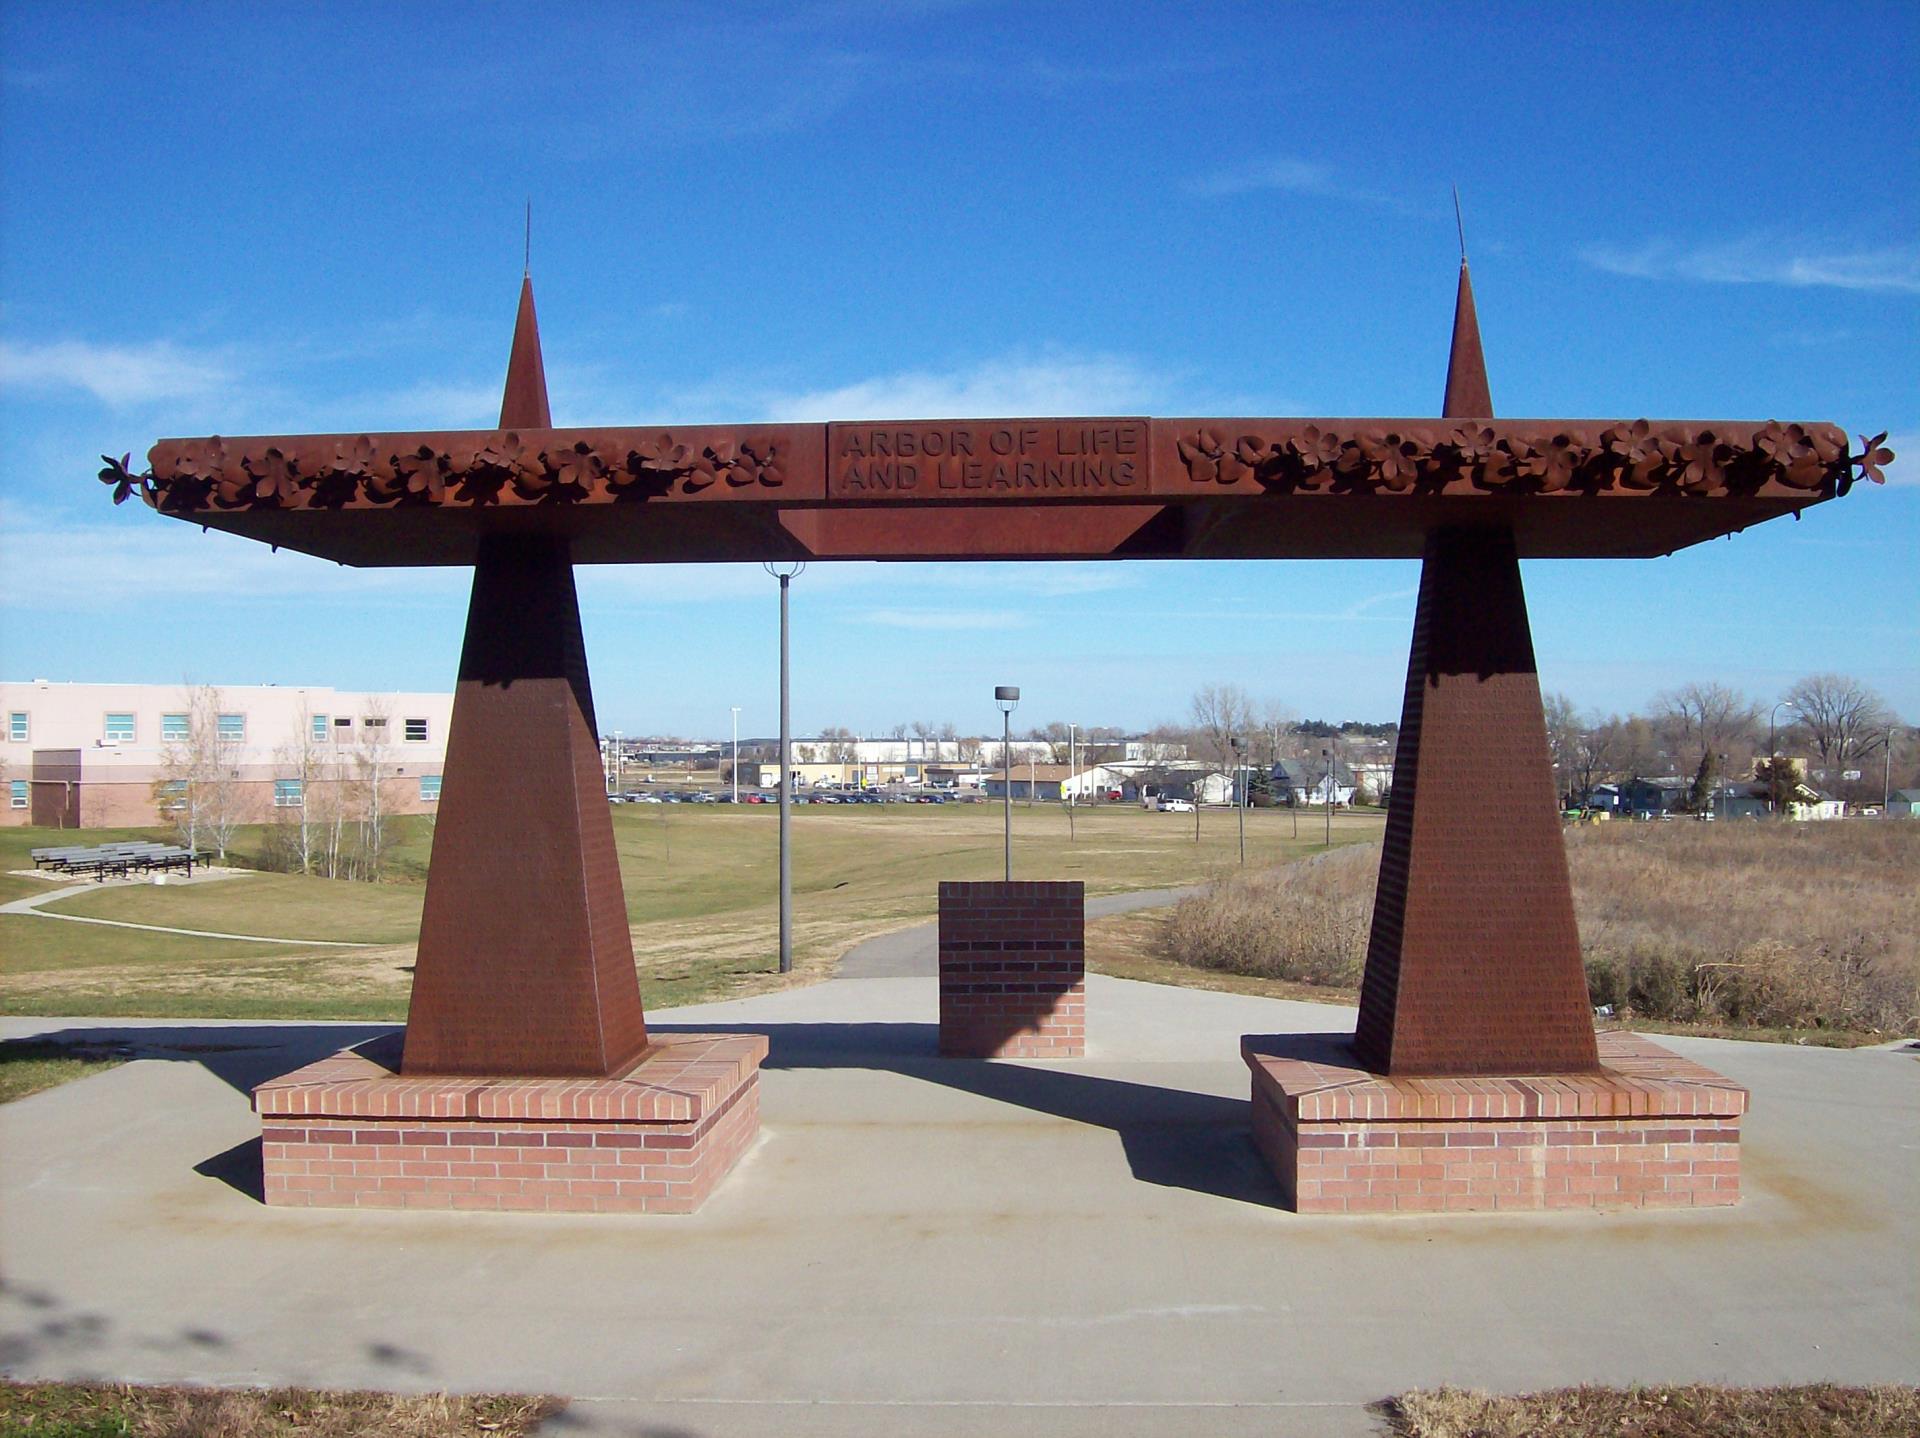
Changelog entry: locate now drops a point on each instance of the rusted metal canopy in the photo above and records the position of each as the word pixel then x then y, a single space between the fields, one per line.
pixel 1003 488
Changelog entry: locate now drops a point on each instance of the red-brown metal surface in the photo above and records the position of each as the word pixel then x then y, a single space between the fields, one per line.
pixel 1474 962
pixel 525 965
pixel 526 962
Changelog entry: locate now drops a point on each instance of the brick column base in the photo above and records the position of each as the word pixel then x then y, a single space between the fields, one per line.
pixel 351 1132
pixel 1649 1130
pixel 1013 970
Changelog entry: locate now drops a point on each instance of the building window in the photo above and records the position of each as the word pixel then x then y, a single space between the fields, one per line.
pixel 321 728
pixel 374 721
pixel 233 728
pixel 416 731
pixel 119 729
pixel 17 793
pixel 175 728
pixel 17 726
pixel 173 796
pixel 343 722
pixel 429 788
pixel 288 793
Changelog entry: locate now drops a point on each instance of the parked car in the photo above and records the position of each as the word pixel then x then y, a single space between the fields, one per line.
pixel 1176 806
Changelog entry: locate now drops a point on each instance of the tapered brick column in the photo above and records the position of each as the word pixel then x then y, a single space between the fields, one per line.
pixel 1474 962
pixel 525 963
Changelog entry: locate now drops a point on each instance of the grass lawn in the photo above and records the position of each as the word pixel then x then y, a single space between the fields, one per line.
pixel 29 1065
pixel 102 1410
pixel 701 896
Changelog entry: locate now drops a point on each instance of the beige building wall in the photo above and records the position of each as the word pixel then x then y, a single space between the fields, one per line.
pixel 92 755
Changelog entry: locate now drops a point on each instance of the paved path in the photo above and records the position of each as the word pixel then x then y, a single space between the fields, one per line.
pixel 915 952
pixel 919 1246
pixel 31 905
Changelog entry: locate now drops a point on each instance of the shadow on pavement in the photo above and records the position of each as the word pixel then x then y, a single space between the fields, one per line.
pixel 1172 1137
pixel 239 1055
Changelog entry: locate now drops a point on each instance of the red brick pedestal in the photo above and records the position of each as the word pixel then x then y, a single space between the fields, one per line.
pixel 352 1132
pixel 1649 1130
pixel 1013 970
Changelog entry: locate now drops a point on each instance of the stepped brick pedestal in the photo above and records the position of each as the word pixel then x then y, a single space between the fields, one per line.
pixel 1647 1130
pixel 1013 970
pixel 354 1131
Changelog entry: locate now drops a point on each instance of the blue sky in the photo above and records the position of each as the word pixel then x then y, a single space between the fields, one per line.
pixel 262 219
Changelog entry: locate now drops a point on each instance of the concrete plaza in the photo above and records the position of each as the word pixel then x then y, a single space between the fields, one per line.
pixel 919 1245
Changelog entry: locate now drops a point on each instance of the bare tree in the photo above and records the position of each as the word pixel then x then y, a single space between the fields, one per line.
pixel 1842 718
pixel 1222 715
pixel 1566 733
pixel 199 789
pixel 1058 739
pixel 1704 720
pixel 371 757
pixel 838 744
pixel 300 759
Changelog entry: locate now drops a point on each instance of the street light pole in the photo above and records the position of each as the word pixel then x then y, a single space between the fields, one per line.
pixel 785 573
pixel 1327 754
pixel 736 753
pixel 1073 780
pixel 1773 756
pixel 1886 775
pixel 1007 696
pixel 1239 795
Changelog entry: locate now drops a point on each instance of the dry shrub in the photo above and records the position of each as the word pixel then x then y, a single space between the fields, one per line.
pixel 1818 1410
pixel 1770 925
pixel 1306 921
pixel 1761 925
pixel 89 1409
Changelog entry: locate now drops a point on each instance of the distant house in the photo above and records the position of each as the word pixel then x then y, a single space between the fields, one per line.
pixel 1749 800
pixel 1633 797
pixel 1744 800
pixel 1904 804
pixel 1805 803
pixel 1307 781
pixel 1029 781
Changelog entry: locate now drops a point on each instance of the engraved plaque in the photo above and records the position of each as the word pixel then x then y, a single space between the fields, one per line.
pixel 973 459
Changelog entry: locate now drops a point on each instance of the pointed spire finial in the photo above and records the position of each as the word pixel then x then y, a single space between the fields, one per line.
pixel 1460 224
pixel 1467 396
pixel 524 403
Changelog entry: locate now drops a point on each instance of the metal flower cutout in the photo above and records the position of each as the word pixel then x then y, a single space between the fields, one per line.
pixel 1873 456
pixel 123 480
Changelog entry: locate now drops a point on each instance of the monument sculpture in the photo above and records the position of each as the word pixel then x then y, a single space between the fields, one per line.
pixel 525 1034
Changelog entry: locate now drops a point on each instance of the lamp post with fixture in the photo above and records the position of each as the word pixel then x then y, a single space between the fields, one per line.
pixel 1007 696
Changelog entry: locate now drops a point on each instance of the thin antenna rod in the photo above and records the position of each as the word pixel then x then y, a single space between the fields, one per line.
pixel 526 267
pixel 1460 224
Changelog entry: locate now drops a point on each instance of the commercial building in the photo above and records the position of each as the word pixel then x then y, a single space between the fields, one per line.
pixel 110 755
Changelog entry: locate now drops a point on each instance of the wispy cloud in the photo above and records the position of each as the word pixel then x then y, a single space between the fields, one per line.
pixel 116 374
pixel 1010 387
pixel 946 620
pixel 132 555
pixel 1290 175
pixel 1766 259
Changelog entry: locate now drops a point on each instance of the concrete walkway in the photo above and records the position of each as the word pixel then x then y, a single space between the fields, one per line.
pixel 928 1246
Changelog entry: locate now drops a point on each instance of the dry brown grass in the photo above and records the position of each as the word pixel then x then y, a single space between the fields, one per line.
pixel 1820 1410
pixel 1788 926
pixel 1306 921
pixel 1764 930
pixel 84 1410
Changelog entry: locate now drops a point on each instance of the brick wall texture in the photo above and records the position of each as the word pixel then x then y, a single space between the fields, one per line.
pixel 344 1134
pixel 1650 1130
pixel 1013 970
